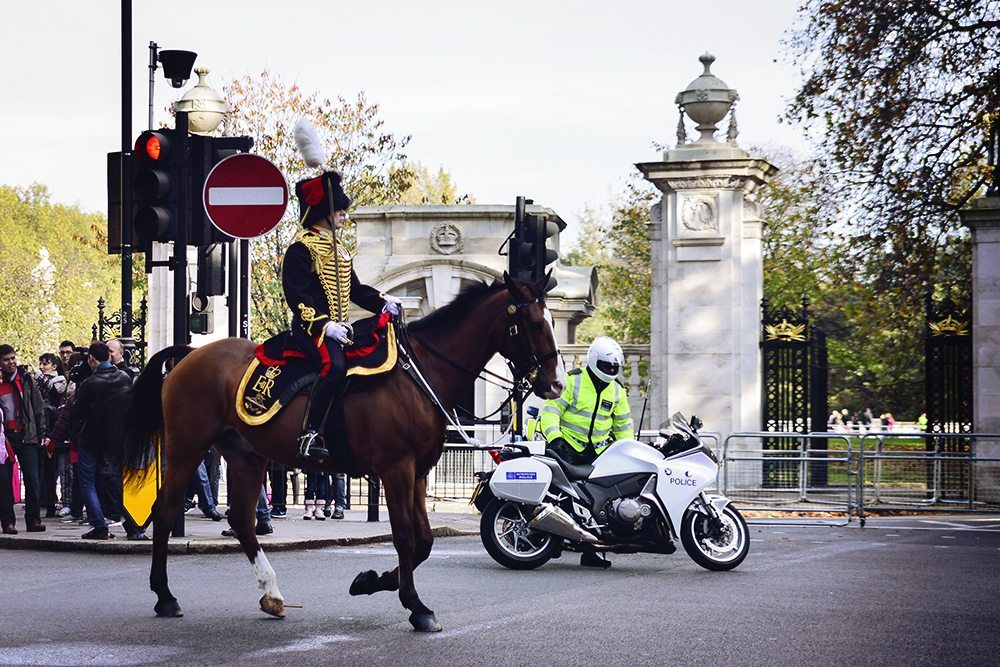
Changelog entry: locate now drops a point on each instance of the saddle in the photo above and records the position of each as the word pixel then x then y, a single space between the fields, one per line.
pixel 279 370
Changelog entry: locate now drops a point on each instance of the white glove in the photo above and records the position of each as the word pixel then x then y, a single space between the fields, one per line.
pixel 338 331
pixel 392 305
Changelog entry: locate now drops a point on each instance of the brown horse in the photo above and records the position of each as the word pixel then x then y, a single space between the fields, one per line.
pixel 395 430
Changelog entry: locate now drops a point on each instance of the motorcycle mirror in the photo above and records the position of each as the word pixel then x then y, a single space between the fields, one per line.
pixel 696 422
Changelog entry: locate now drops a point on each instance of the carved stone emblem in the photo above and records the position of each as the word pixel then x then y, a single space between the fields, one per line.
pixel 698 214
pixel 707 183
pixel 446 239
pixel 656 212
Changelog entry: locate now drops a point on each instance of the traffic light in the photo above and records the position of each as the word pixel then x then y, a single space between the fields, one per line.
pixel 200 317
pixel 206 152
pixel 528 255
pixel 156 166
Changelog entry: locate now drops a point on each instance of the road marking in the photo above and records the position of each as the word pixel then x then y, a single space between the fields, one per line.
pixel 948 537
pixel 103 655
pixel 486 625
pixel 302 645
pixel 945 523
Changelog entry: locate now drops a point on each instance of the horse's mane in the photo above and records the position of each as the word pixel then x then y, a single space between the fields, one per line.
pixel 459 306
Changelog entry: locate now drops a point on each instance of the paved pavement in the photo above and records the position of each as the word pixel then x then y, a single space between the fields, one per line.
pixel 205 536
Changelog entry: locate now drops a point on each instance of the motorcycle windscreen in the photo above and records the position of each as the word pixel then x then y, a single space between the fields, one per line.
pixel 523 480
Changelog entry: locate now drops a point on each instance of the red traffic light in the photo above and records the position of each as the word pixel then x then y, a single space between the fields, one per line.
pixel 153 147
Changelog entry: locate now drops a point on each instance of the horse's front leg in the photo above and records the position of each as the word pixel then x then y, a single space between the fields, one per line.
pixel 370 582
pixel 399 487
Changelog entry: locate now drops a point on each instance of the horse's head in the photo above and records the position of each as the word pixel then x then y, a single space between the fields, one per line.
pixel 531 338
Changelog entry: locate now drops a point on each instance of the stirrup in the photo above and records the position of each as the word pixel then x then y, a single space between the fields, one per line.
pixel 311 446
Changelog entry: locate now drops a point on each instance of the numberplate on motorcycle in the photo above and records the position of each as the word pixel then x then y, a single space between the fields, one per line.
pixel 475 492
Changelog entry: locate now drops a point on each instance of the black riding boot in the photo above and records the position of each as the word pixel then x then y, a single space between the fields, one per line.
pixel 592 559
pixel 320 399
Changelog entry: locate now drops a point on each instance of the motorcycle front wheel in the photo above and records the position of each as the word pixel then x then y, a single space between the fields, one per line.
pixel 718 549
pixel 504 530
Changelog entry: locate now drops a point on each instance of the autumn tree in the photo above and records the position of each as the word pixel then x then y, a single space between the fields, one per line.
pixel 900 96
pixel 874 347
pixel 370 157
pixel 51 276
pixel 428 188
pixel 618 245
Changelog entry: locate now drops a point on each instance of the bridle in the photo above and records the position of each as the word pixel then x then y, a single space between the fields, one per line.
pixel 524 378
pixel 534 362
pixel 514 318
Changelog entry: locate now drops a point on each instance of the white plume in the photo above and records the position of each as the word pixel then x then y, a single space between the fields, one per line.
pixel 308 143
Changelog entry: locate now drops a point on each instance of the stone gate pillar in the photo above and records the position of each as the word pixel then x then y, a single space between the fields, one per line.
pixel 983 219
pixel 706 268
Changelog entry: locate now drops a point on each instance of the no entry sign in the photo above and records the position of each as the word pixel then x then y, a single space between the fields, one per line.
pixel 245 196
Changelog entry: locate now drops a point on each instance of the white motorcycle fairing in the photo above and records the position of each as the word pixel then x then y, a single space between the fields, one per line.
pixel 678 480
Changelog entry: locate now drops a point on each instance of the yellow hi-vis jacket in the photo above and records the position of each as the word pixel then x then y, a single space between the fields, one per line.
pixel 582 416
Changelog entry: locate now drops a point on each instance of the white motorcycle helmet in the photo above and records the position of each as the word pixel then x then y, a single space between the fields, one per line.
pixel 605 358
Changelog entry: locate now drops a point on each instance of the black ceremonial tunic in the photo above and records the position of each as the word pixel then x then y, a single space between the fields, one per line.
pixel 318 286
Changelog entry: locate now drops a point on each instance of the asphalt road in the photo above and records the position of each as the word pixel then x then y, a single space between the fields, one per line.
pixel 899 592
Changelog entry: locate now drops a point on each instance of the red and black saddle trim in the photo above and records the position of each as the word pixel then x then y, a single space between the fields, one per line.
pixel 279 370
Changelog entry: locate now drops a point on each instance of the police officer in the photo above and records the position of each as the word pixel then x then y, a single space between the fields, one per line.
pixel 590 414
pixel 593 410
pixel 319 283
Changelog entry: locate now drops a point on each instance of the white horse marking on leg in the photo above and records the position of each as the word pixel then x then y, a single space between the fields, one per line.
pixel 267 582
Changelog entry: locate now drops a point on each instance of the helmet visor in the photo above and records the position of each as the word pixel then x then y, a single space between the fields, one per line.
pixel 608 367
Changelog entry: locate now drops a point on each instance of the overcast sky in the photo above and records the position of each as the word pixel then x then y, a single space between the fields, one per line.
pixel 554 100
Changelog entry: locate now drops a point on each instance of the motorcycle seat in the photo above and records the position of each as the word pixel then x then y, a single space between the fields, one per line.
pixel 574 473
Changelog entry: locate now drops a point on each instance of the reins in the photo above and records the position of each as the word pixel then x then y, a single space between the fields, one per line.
pixel 411 367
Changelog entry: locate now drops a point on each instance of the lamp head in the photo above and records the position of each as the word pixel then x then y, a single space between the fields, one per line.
pixel 177 65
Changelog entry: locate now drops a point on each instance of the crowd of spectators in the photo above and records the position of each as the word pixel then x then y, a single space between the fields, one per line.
pixel 845 421
pixel 59 424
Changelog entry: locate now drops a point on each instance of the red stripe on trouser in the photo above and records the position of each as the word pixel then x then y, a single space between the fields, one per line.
pixel 324 356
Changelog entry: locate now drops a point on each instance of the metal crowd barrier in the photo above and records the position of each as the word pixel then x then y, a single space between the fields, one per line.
pixel 799 479
pixel 932 479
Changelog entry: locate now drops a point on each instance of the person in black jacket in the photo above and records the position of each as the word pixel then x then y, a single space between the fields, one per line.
pixel 319 283
pixel 97 411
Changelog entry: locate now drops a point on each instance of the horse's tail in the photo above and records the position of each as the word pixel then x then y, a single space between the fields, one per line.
pixel 143 421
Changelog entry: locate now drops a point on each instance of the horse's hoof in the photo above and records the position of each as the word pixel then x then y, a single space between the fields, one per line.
pixel 425 623
pixel 364 583
pixel 168 609
pixel 272 605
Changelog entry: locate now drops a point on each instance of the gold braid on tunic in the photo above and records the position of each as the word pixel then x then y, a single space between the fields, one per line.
pixel 334 276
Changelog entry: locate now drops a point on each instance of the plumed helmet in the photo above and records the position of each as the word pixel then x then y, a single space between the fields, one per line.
pixel 319 197
pixel 605 358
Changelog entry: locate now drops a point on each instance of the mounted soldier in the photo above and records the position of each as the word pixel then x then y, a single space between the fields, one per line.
pixel 319 283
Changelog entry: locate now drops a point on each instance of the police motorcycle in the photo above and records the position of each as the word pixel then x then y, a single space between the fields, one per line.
pixel 636 497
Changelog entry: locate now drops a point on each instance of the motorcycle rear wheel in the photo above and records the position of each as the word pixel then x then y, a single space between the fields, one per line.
pixel 504 531
pixel 721 551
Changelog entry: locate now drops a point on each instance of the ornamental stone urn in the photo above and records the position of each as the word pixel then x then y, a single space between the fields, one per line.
pixel 205 107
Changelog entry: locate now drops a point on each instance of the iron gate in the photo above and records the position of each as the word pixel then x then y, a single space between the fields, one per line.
pixel 110 326
pixel 794 391
pixel 948 393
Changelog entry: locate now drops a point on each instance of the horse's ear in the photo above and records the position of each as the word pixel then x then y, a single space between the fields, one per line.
pixel 508 281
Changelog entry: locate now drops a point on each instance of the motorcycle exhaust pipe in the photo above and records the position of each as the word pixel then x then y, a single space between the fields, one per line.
pixel 552 519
